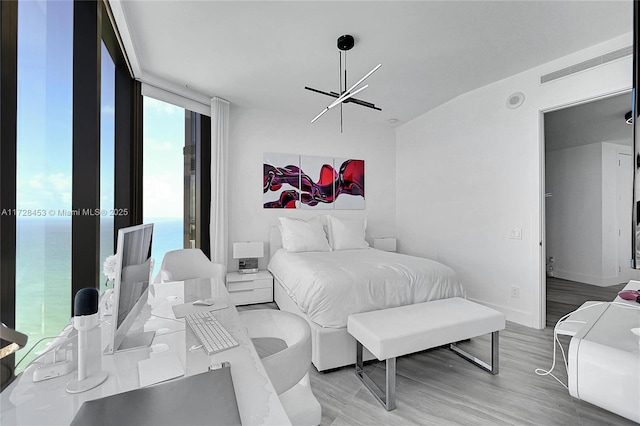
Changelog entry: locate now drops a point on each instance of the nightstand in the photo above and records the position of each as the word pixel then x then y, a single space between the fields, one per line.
pixel 246 289
pixel 386 244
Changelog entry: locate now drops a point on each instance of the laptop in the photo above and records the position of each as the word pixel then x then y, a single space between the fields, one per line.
pixel 207 398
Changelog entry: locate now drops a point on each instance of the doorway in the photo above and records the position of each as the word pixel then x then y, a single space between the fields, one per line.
pixel 588 198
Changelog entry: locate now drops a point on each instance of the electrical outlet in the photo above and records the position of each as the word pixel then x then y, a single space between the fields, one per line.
pixel 515 292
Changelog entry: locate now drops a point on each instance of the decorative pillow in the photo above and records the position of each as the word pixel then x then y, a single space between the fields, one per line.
pixel 300 235
pixel 346 234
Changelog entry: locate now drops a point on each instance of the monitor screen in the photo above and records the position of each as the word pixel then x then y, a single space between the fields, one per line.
pixel 130 291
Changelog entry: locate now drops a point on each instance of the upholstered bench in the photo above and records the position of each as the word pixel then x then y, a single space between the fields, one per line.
pixel 390 333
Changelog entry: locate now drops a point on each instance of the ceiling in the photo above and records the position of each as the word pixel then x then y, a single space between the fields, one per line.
pixel 262 54
pixel 601 120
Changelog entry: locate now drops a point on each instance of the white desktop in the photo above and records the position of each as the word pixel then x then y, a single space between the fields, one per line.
pixel 604 355
pixel 47 402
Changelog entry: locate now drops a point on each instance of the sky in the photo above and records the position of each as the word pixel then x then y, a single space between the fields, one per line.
pixel 163 182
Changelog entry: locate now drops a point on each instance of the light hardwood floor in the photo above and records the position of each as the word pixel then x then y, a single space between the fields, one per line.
pixel 564 296
pixel 437 387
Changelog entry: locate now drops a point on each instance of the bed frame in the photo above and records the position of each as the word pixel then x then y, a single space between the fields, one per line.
pixel 331 347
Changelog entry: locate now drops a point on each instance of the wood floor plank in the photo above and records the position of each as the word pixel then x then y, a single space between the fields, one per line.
pixel 437 387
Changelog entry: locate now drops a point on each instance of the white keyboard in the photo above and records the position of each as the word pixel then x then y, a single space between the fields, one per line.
pixel 213 336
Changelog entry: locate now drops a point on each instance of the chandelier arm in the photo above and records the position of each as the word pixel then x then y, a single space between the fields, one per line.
pixel 364 78
pixel 339 101
pixel 332 94
pixel 363 103
pixel 346 96
pixel 320 115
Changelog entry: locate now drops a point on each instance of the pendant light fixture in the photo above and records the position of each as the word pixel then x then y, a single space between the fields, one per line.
pixel 346 95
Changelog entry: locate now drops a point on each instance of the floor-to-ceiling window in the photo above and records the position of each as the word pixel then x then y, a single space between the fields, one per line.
pixel 43 169
pixel 176 178
pixel 163 143
pixel 55 139
pixel 77 131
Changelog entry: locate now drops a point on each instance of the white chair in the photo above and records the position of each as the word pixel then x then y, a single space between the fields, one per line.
pixel 288 369
pixel 185 264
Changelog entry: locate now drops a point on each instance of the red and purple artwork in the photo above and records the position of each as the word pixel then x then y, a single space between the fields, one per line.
pixel 291 181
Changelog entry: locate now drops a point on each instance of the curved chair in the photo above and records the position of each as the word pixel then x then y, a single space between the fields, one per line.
pixel 185 264
pixel 288 369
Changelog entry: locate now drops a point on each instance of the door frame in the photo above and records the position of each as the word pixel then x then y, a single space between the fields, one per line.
pixel 542 264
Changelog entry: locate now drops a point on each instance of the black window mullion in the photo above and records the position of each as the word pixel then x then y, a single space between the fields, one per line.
pixel 85 227
pixel 136 167
pixel 203 200
pixel 8 146
pixel 128 159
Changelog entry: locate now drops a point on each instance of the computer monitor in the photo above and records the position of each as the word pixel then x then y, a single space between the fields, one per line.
pixel 131 288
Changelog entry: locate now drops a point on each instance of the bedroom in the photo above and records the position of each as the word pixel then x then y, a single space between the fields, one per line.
pixel 488 184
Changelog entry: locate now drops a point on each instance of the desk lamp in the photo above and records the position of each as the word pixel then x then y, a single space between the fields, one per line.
pixel 248 254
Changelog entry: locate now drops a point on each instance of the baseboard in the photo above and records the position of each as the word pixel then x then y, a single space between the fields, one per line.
pixel 588 279
pixel 513 315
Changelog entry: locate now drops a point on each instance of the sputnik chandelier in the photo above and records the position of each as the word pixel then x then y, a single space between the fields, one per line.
pixel 345 43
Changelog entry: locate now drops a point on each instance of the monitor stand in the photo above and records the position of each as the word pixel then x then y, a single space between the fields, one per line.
pixel 136 340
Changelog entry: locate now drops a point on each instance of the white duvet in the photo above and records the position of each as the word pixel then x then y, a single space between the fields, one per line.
pixel 330 286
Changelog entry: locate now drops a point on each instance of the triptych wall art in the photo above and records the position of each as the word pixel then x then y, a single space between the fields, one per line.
pixel 306 182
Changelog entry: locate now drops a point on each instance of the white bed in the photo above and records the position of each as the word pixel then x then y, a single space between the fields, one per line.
pixel 326 287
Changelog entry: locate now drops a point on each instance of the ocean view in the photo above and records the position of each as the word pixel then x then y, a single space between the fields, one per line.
pixel 43 270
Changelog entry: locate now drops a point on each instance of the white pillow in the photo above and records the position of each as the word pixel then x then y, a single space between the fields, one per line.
pixel 299 235
pixel 346 234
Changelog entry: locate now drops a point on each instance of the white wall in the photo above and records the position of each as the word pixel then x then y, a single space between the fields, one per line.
pixel 574 212
pixel 581 214
pixel 469 171
pixel 253 132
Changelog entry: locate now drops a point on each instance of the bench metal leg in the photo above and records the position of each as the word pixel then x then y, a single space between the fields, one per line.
pixel 493 368
pixel 387 397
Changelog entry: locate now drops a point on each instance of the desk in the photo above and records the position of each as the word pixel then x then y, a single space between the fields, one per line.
pixel 47 402
pixel 604 357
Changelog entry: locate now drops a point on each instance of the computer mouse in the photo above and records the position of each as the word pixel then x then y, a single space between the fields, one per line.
pixel 159 347
pixel 204 302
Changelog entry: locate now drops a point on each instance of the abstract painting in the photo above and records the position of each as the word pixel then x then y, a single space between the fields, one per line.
pixel 349 184
pixel 308 182
pixel 281 180
pixel 317 177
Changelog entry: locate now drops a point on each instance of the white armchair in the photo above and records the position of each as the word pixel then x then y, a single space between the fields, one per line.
pixel 288 369
pixel 185 264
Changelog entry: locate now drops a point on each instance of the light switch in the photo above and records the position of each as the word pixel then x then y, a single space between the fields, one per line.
pixel 515 234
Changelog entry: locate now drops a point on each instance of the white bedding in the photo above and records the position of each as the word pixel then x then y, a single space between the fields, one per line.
pixel 330 286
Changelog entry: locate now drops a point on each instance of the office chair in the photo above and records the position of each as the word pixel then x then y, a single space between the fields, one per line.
pixel 287 369
pixel 186 264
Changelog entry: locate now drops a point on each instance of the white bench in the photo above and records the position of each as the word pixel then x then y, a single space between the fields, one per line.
pixel 390 333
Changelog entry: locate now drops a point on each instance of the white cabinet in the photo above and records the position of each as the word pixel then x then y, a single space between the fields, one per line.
pixel 246 289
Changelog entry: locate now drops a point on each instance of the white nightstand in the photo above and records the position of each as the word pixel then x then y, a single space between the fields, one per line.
pixel 386 244
pixel 246 289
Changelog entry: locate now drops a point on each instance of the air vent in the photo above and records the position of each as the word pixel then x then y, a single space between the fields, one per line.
pixel 608 57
